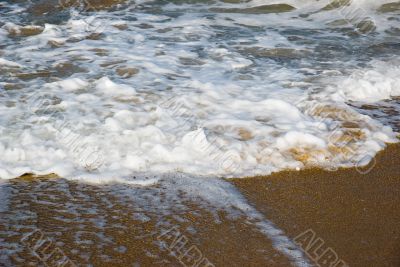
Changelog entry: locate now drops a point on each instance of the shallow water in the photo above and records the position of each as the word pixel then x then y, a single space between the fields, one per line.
pixel 132 92
pixel 162 98
pixel 119 225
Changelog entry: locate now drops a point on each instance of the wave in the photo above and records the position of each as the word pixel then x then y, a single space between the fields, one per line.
pixel 225 89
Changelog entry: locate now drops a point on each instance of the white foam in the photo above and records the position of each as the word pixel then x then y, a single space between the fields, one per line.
pixel 381 81
pixel 202 104
pixel 106 86
pixel 70 84
pixel 9 63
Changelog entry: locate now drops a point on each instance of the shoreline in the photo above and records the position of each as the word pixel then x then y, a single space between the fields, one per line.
pixel 137 115
pixel 356 216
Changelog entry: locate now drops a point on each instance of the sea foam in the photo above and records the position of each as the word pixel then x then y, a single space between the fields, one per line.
pixel 130 95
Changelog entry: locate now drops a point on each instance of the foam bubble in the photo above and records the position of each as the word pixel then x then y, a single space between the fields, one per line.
pixel 9 63
pixel 208 93
pixel 381 81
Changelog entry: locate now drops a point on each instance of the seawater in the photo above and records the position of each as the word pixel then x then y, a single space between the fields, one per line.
pixel 140 90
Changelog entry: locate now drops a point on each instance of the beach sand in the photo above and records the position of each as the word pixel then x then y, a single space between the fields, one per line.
pixel 357 216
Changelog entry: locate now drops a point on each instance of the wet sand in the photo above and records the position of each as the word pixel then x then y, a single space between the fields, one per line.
pixel 357 216
pixel 102 226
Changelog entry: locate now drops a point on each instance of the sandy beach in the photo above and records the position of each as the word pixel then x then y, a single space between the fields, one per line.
pixel 127 128
pixel 355 215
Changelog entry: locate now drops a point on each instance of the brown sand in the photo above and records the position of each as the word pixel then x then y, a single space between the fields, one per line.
pixel 123 239
pixel 357 215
